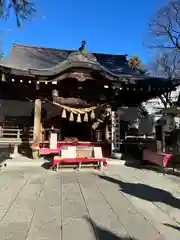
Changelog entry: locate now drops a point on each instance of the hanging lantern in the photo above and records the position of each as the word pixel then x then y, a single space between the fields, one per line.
pixel 86 117
pixel 64 113
pixel 71 118
pixel 79 118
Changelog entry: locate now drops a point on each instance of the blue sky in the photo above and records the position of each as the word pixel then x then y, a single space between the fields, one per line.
pixel 116 26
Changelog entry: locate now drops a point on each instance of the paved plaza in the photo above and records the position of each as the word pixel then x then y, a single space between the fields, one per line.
pixel 122 203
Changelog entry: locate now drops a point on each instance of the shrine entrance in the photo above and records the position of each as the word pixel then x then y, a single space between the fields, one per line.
pixel 80 131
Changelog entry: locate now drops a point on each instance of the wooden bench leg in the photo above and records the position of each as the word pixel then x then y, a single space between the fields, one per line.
pixel 164 170
pixel 79 166
pixel 52 167
pixel 174 168
pixel 101 166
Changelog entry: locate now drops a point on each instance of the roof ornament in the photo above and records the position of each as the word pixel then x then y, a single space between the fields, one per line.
pixel 82 47
pixel 82 54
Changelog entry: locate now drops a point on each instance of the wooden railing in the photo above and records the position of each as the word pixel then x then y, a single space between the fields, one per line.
pixel 13 135
pixel 141 137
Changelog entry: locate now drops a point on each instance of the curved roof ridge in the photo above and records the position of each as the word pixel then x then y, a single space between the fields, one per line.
pixel 19 45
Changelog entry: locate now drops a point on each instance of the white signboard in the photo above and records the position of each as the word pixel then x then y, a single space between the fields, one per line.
pixel 68 152
pixel 115 123
pixel 53 140
pixel 98 152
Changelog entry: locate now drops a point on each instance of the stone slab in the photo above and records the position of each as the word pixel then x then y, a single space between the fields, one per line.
pixel 36 204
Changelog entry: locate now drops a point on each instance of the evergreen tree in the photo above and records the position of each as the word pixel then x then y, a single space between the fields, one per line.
pixel 23 9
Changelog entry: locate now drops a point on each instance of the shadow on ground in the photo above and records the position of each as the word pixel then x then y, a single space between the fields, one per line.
pixel 46 165
pixel 104 234
pixel 145 192
pixel 4 155
pixel 48 162
pixel 151 167
pixel 172 226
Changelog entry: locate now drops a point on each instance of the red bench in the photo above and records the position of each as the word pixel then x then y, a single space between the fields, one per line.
pixel 58 160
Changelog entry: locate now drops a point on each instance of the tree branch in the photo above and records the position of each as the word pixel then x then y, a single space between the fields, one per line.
pixel 167 23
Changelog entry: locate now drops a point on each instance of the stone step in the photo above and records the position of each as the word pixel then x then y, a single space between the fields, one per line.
pixel 112 161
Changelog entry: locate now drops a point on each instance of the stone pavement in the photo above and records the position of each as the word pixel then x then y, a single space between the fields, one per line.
pixel 122 203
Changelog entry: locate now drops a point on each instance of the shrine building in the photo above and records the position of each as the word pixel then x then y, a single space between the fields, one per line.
pixel 74 92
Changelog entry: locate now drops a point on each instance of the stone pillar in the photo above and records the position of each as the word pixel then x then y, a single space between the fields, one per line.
pixel 37 122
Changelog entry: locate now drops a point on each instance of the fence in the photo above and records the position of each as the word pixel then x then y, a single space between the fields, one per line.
pixel 13 135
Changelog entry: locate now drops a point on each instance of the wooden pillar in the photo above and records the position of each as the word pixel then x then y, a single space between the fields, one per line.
pixel 107 133
pixel 37 121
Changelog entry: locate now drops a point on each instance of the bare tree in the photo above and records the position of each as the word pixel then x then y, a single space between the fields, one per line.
pixel 165 29
pixel 165 26
pixel 23 9
pixel 167 64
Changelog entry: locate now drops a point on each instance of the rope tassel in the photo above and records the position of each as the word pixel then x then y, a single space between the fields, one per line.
pixel 64 113
pixel 92 114
pixel 71 118
pixel 79 118
pixel 3 77
pixel 86 117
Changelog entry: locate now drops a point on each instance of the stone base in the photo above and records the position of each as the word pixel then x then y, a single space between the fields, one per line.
pixel 15 152
pixel 117 155
pixel 22 161
pixel 112 161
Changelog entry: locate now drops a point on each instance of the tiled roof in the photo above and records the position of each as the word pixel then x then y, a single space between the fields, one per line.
pixel 28 57
pixel 39 61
